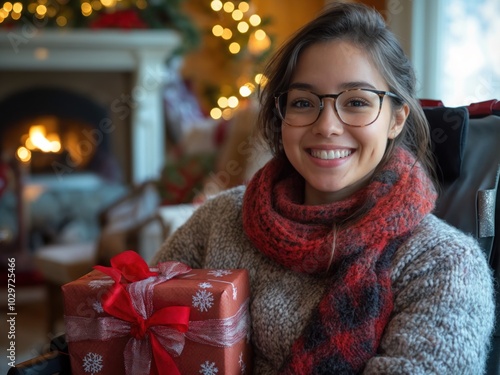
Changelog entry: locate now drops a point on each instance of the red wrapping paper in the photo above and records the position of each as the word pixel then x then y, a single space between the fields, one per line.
pixel 213 297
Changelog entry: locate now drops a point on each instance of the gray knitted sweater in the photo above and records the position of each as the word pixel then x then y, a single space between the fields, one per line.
pixel 443 309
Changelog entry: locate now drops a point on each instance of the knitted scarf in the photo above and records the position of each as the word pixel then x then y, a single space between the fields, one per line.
pixel 346 327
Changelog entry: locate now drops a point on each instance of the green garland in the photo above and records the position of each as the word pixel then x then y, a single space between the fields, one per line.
pixel 156 14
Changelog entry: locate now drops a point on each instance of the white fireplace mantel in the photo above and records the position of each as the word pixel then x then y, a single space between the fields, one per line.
pixel 143 53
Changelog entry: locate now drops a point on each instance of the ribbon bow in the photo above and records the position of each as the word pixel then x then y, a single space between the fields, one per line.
pixel 128 265
pixel 132 303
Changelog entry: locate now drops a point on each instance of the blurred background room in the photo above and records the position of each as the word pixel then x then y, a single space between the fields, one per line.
pixel 119 117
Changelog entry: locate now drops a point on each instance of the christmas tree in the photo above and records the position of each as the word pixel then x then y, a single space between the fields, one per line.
pixel 235 45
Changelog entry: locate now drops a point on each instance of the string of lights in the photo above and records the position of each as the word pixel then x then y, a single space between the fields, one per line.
pixel 242 30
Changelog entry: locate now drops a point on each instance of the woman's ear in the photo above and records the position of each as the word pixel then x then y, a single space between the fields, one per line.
pixel 398 121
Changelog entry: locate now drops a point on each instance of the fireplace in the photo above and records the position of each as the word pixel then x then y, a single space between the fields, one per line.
pixel 99 95
pixel 124 72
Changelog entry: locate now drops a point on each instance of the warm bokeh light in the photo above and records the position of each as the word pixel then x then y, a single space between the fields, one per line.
pixel 243 27
pixel 216 5
pixel 232 102
pixel 237 15
pixel 246 90
pixel 227 34
pixel 108 3
pixel 17 7
pixel 23 154
pixel 217 30
pixel 216 113
pixel 41 10
pixel 234 48
pixel 61 21
pixel 222 102
pixel 228 7
pixel 227 114
pixel 7 6
pixel 260 34
pixel 96 5
pixel 244 6
pixel 86 9
pixel 254 20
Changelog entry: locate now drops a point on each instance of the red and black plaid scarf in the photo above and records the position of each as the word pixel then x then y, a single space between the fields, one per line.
pixel 346 327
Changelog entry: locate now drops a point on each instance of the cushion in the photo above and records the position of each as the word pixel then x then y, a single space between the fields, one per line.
pixel 448 128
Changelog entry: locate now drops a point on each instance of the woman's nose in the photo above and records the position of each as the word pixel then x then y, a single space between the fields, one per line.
pixel 328 122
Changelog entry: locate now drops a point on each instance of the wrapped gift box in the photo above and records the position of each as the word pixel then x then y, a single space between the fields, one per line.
pixel 216 340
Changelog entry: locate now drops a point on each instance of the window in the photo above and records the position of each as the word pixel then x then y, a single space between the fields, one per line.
pixel 454 46
pixel 470 67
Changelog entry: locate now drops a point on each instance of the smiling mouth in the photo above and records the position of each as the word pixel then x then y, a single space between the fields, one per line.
pixel 330 154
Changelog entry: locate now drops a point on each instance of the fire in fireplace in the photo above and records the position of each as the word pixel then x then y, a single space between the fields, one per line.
pixel 57 131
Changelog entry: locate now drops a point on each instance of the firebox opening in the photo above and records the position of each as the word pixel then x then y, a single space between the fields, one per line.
pixel 45 142
pixel 57 131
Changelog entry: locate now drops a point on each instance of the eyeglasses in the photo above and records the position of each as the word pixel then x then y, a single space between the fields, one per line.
pixel 354 107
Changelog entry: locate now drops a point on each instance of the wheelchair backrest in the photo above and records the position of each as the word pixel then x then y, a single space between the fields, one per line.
pixel 466 146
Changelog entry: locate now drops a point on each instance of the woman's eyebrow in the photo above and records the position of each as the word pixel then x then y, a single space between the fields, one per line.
pixel 300 85
pixel 357 85
pixel 342 86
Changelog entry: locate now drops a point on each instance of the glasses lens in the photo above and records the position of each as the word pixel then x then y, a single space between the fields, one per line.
pixel 298 107
pixel 358 107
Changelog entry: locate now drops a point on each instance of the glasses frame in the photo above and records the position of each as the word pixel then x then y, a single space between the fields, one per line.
pixel 381 94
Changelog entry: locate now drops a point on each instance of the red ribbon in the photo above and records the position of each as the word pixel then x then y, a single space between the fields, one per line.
pixel 128 265
pixel 118 303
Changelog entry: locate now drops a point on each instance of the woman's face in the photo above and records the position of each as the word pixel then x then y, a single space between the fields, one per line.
pixel 336 159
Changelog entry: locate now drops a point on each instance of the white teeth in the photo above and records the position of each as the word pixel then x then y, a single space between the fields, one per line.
pixel 330 154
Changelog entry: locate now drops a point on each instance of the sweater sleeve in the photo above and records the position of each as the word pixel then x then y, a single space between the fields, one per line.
pixel 443 313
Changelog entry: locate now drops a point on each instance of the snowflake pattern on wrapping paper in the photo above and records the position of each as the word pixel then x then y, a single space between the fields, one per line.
pixel 203 300
pixel 208 368
pixel 92 363
pixel 219 273
pixel 96 284
pixel 242 363
pixel 205 285
pixel 97 306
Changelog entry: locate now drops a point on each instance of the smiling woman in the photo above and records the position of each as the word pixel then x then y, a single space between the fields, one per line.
pixel 350 270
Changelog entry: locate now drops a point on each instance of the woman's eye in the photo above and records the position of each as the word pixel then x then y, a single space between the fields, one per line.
pixel 301 103
pixel 357 103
